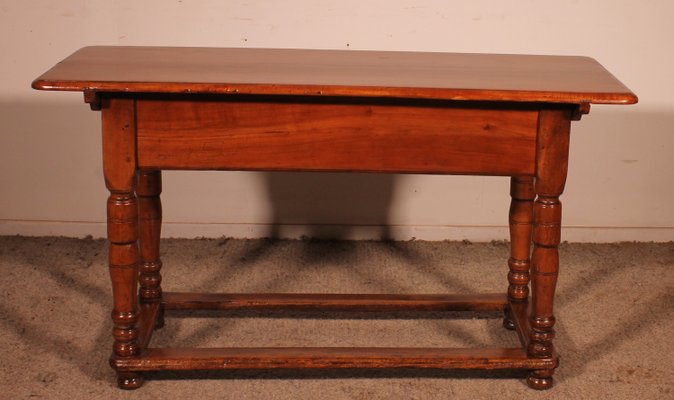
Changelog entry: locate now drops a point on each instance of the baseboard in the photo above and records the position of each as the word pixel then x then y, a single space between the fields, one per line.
pixel 351 232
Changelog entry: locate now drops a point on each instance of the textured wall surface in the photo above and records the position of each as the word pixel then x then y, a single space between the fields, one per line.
pixel 621 179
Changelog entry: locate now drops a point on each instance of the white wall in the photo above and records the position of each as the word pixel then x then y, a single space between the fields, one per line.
pixel 621 180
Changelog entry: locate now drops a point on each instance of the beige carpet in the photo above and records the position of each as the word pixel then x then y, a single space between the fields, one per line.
pixel 615 309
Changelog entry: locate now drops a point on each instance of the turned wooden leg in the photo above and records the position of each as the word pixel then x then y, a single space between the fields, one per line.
pixel 149 213
pixel 551 167
pixel 119 167
pixel 521 217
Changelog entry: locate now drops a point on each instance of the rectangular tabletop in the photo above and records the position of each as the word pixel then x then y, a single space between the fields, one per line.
pixel 443 76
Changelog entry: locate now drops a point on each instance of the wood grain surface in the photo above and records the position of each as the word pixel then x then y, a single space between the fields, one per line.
pixel 450 76
pixel 330 357
pixel 295 136
pixel 333 302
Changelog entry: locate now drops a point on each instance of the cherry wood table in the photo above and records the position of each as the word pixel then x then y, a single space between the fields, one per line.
pixel 350 111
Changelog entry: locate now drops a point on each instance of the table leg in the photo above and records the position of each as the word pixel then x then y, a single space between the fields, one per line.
pixel 521 217
pixel 149 212
pixel 551 168
pixel 119 168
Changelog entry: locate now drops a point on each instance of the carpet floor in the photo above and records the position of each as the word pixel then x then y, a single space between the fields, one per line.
pixel 614 309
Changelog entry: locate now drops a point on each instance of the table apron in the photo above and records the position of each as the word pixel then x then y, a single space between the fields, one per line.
pixel 297 136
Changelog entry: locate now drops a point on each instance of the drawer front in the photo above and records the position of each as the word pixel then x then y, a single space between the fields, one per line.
pixel 393 138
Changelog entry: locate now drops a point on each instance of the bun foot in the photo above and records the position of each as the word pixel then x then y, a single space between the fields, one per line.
pixel 540 380
pixel 508 319
pixel 129 380
pixel 159 321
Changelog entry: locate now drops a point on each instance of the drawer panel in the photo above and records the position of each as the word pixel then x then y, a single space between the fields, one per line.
pixel 305 136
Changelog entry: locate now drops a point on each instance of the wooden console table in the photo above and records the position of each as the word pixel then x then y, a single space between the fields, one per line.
pixel 349 111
